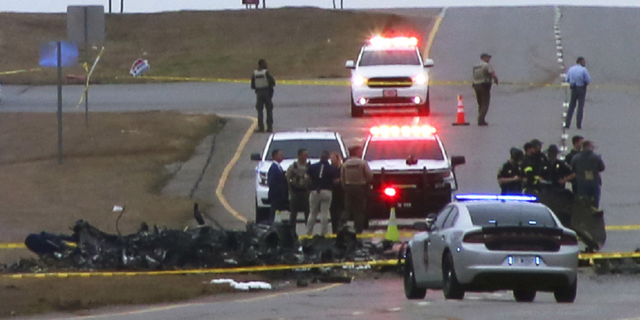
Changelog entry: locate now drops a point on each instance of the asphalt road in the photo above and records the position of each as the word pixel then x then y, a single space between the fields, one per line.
pixel 524 50
pixel 604 297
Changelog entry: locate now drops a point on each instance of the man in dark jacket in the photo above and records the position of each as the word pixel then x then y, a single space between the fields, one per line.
pixel 262 82
pixel 323 176
pixel 587 166
pixel 510 174
pixel 278 187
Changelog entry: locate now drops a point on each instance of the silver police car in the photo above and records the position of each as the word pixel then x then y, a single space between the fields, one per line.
pixel 489 243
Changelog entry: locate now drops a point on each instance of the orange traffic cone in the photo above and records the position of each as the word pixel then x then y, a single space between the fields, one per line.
pixel 460 118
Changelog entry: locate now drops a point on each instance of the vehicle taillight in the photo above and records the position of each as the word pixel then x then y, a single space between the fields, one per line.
pixel 390 192
pixel 474 237
pixel 568 240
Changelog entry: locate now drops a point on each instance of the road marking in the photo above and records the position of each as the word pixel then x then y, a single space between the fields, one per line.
pixel 182 305
pixel 433 32
pixel 232 163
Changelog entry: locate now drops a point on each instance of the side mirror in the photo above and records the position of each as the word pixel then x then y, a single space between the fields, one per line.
pixel 458 160
pixel 431 220
pixel 428 63
pixel 350 64
pixel 421 226
pixel 256 157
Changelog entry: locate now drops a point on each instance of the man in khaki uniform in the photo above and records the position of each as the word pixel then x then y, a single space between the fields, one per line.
pixel 298 187
pixel 355 176
pixel 483 75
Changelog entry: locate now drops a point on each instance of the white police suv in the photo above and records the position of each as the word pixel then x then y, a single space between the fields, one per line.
pixel 390 73
pixel 289 143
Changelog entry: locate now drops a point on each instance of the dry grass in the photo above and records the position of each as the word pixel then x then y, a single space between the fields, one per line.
pixel 31 296
pixel 297 42
pixel 118 159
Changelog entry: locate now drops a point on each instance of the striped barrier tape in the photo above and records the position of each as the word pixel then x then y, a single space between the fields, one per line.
pixel 301 267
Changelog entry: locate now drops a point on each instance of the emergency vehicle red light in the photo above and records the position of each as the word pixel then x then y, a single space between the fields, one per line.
pixel 390 192
pixel 403 131
pixel 379 41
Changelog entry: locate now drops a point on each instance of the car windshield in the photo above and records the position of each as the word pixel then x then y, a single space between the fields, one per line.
pixel 314 147
pixel 389 57
pixel 510 214
pixel 425 149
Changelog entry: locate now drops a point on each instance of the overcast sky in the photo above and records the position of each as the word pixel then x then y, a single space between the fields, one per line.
pixel 175 5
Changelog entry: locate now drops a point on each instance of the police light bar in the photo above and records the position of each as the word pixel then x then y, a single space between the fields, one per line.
pixel 379 41
pixel 475 197
pixel 402 131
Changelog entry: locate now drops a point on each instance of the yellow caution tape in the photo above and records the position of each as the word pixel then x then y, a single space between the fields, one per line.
pixel 88 78
pixel 623 228
pixel 302 267
pixel 19 71
pixel 12 246
pixel 609 255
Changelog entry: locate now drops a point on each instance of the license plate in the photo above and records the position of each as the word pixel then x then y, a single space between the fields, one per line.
pixel 390 93
pixel 404 205
pixel 523 261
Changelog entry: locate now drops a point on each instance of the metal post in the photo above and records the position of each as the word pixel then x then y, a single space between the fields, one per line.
pixel 121 6
pixel 59 102
pixel 86 59
pixel 109 6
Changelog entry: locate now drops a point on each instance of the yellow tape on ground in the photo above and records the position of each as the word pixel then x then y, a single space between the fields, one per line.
pixel 19 71
pixel 12 246
pixel 301 267
pixel 623 228
pixel 609 255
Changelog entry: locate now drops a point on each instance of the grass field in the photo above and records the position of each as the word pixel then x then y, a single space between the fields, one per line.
pixel 298 43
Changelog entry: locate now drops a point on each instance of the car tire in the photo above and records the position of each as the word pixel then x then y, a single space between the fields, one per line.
pixel 566 294
pixel 425 108
pixel 451 288
pixel 411 289
pixel 524 295
pixel 262 214
pixel 356 111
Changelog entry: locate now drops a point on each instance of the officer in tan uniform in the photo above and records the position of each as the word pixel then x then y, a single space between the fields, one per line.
pixel 483 75
pixel 355 176
pixel 262 82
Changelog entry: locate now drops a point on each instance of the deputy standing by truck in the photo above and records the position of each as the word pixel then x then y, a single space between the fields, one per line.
pixel 355 176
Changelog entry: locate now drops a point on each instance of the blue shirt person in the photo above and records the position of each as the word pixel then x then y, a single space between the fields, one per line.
pixel 578 78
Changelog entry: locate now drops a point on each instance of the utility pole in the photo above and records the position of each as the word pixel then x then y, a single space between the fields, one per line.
pixel 121 6
pixel 110 6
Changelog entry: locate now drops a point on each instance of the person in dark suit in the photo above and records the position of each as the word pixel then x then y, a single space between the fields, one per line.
pixel 278 186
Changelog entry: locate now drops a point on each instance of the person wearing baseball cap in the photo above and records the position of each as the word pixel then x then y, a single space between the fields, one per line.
pixel 483 76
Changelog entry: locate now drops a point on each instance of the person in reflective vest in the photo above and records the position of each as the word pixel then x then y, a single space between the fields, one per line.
pixel 262 82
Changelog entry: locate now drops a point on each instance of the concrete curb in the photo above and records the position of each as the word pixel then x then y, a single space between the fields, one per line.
pixel 198 177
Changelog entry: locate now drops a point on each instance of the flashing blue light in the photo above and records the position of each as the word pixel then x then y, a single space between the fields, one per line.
pixel 472 197
pixel 537 260
pixel 510 260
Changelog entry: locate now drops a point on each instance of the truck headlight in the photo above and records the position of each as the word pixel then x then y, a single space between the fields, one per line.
pixel 358 80
pixel 420 79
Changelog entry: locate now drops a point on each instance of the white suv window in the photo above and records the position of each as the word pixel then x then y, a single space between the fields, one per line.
pixel 389 57
pixel 314 147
